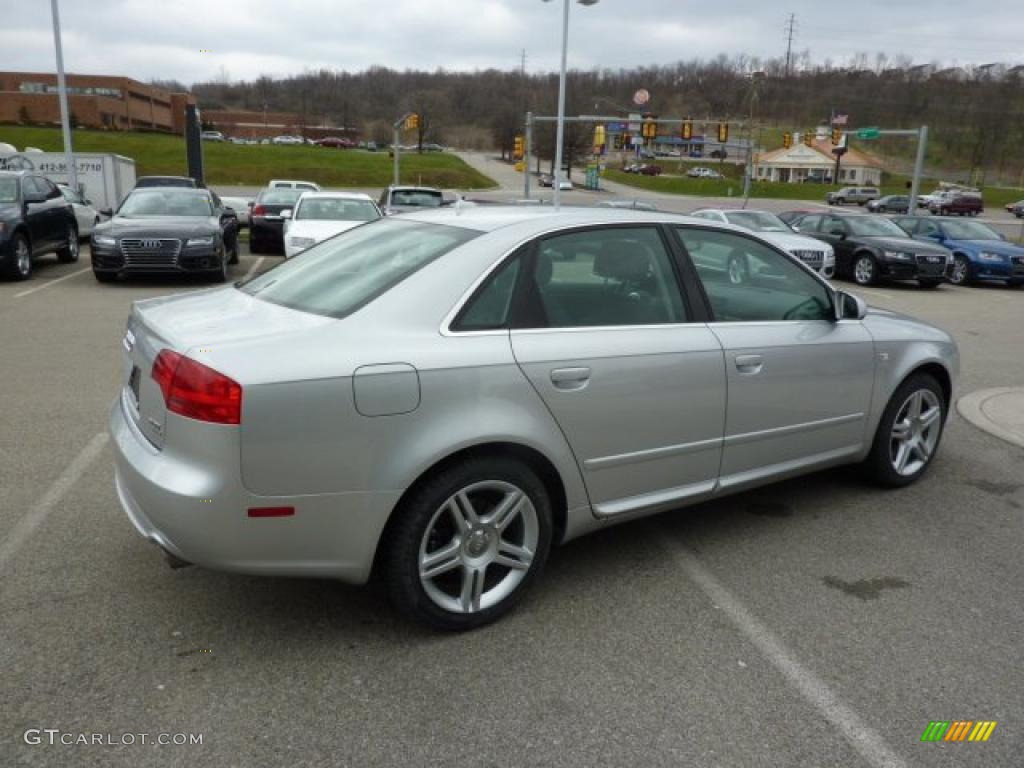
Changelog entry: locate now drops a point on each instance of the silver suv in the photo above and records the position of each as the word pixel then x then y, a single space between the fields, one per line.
pixel 858 195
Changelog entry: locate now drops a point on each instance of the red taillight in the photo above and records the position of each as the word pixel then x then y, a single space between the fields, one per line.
pixel 271 511
pixel 258 210
pixel 197 391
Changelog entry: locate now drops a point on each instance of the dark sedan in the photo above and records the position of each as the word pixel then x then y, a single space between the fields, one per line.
pixel 34 219
pixel 167 230
pixel 870 249
pixel 890 204
pixel 266 227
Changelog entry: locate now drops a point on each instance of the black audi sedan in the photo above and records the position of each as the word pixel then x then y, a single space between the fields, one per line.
pixel 34 219
pixel 869 249
pixel 167 229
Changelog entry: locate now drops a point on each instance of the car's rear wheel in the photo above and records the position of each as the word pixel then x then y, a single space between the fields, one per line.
pixel 466 544
pixel 865 271
pixel 68 253
pixel 961 274
pixel 909 433
pixel 840 201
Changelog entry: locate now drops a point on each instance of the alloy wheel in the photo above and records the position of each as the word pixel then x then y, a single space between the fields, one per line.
pixel 478 546
pixel 864 270
pixel 960 272
pixel 72 245
pixel 915 432
pixel 23 257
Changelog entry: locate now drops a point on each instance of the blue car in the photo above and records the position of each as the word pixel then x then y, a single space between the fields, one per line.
pixel 979 252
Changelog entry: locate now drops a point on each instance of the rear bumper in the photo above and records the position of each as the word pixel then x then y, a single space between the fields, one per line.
pixel 196 507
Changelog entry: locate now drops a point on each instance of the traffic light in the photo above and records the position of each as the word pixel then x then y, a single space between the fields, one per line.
pixel 412 122
pixel 723 133
pixel 518 147
pixel 787 140
pixel 809 138
pixel 599 135
pixel 837 136
pixel 687 130
pixel 649 129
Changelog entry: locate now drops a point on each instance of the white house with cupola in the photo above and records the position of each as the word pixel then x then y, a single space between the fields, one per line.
pixel 800 162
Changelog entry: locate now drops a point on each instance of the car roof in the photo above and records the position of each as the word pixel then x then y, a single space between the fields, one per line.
pixel 493 217
pixel 737 210
pixel 412 188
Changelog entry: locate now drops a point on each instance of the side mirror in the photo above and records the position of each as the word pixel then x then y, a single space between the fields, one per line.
pixel 838 233
pixel 286 213
pixel 850 307
pixel 108 212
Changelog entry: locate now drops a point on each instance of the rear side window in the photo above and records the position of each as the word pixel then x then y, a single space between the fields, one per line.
pixel 340 275
pixel 489 309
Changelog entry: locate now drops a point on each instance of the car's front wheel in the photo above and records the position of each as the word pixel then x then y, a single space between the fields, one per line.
pixel 961 274
pixel 467 543
pixel 865 270
pixel 20 265
pixel 909 433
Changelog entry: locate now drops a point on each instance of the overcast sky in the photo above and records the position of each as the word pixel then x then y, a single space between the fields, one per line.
pixel 169 39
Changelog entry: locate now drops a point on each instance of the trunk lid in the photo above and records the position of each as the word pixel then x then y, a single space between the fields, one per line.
pixel 202 321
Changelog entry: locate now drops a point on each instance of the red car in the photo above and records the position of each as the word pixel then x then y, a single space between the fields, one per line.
pixel 650 170
pixel 335 142
pixel 963 205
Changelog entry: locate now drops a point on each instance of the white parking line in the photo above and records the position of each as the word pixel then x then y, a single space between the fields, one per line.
pixel 873 293
pixel 254 267
pixel 861 737
pixel 24 528
pixel 51 282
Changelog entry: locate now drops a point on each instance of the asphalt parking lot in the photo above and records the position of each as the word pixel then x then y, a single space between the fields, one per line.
pixel 819 622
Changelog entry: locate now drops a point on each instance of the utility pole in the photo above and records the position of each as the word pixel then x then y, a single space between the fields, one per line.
pixel 790 29
pixel 522 63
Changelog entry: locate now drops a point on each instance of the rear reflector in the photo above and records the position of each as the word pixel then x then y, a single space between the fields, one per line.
pixel 271 511
pixel 196 390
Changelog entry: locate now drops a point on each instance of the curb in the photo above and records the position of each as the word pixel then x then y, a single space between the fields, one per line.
pixel 972 407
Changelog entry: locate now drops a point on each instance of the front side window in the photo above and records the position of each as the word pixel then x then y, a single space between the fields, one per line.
pixel 746 281
pixel 338 276
pixel 600 277
pixel 809 223
pixel 758 221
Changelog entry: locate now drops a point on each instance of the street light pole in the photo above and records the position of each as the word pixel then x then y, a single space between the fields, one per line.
pixel 62 95
pixel 560 129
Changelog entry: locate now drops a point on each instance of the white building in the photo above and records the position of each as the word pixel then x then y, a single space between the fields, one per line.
pixel 800 161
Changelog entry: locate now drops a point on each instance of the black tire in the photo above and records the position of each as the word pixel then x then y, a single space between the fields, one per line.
pixel 19 267
pixel 930 284
pixel 233 252
pixel 840 201
pixel 962 273
pixel 869 274
pixel 68 254
pixel 409 529
pixel 104 277
pixel 881 209
pixel 221 273
pixel 879 463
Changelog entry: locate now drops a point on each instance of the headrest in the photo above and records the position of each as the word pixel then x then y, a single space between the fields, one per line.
pixel 625 260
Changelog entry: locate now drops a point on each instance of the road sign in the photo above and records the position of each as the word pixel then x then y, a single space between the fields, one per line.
pixel 868 133
pixel 641 97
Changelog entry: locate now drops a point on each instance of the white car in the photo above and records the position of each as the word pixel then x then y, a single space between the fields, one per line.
pixel 241 208
pixel 320 215
pixel 86 214
pixel 816 254
pixel 308 186
pixel 703 173
pixel 287 140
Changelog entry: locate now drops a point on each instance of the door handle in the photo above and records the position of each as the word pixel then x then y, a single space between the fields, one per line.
pixel 749 363
pixel 570 378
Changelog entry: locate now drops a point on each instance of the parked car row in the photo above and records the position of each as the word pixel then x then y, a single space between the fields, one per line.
pixel 644 169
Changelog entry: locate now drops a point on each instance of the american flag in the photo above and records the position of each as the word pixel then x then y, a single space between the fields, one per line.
pixel 839 119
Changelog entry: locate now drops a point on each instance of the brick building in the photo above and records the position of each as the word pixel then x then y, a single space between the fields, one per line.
pixel 252 124
pixel 95 101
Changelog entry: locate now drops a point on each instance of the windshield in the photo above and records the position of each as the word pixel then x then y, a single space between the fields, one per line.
pixel 335 209
pixel 280 196
pixel 8 190
pixel 969 230
pixel 165 202
pixel 758 221
pixel 342 274
pixel 868 227
pixel 419 197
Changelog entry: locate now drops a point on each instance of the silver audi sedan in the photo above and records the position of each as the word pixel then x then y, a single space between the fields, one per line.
pixel 440 397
